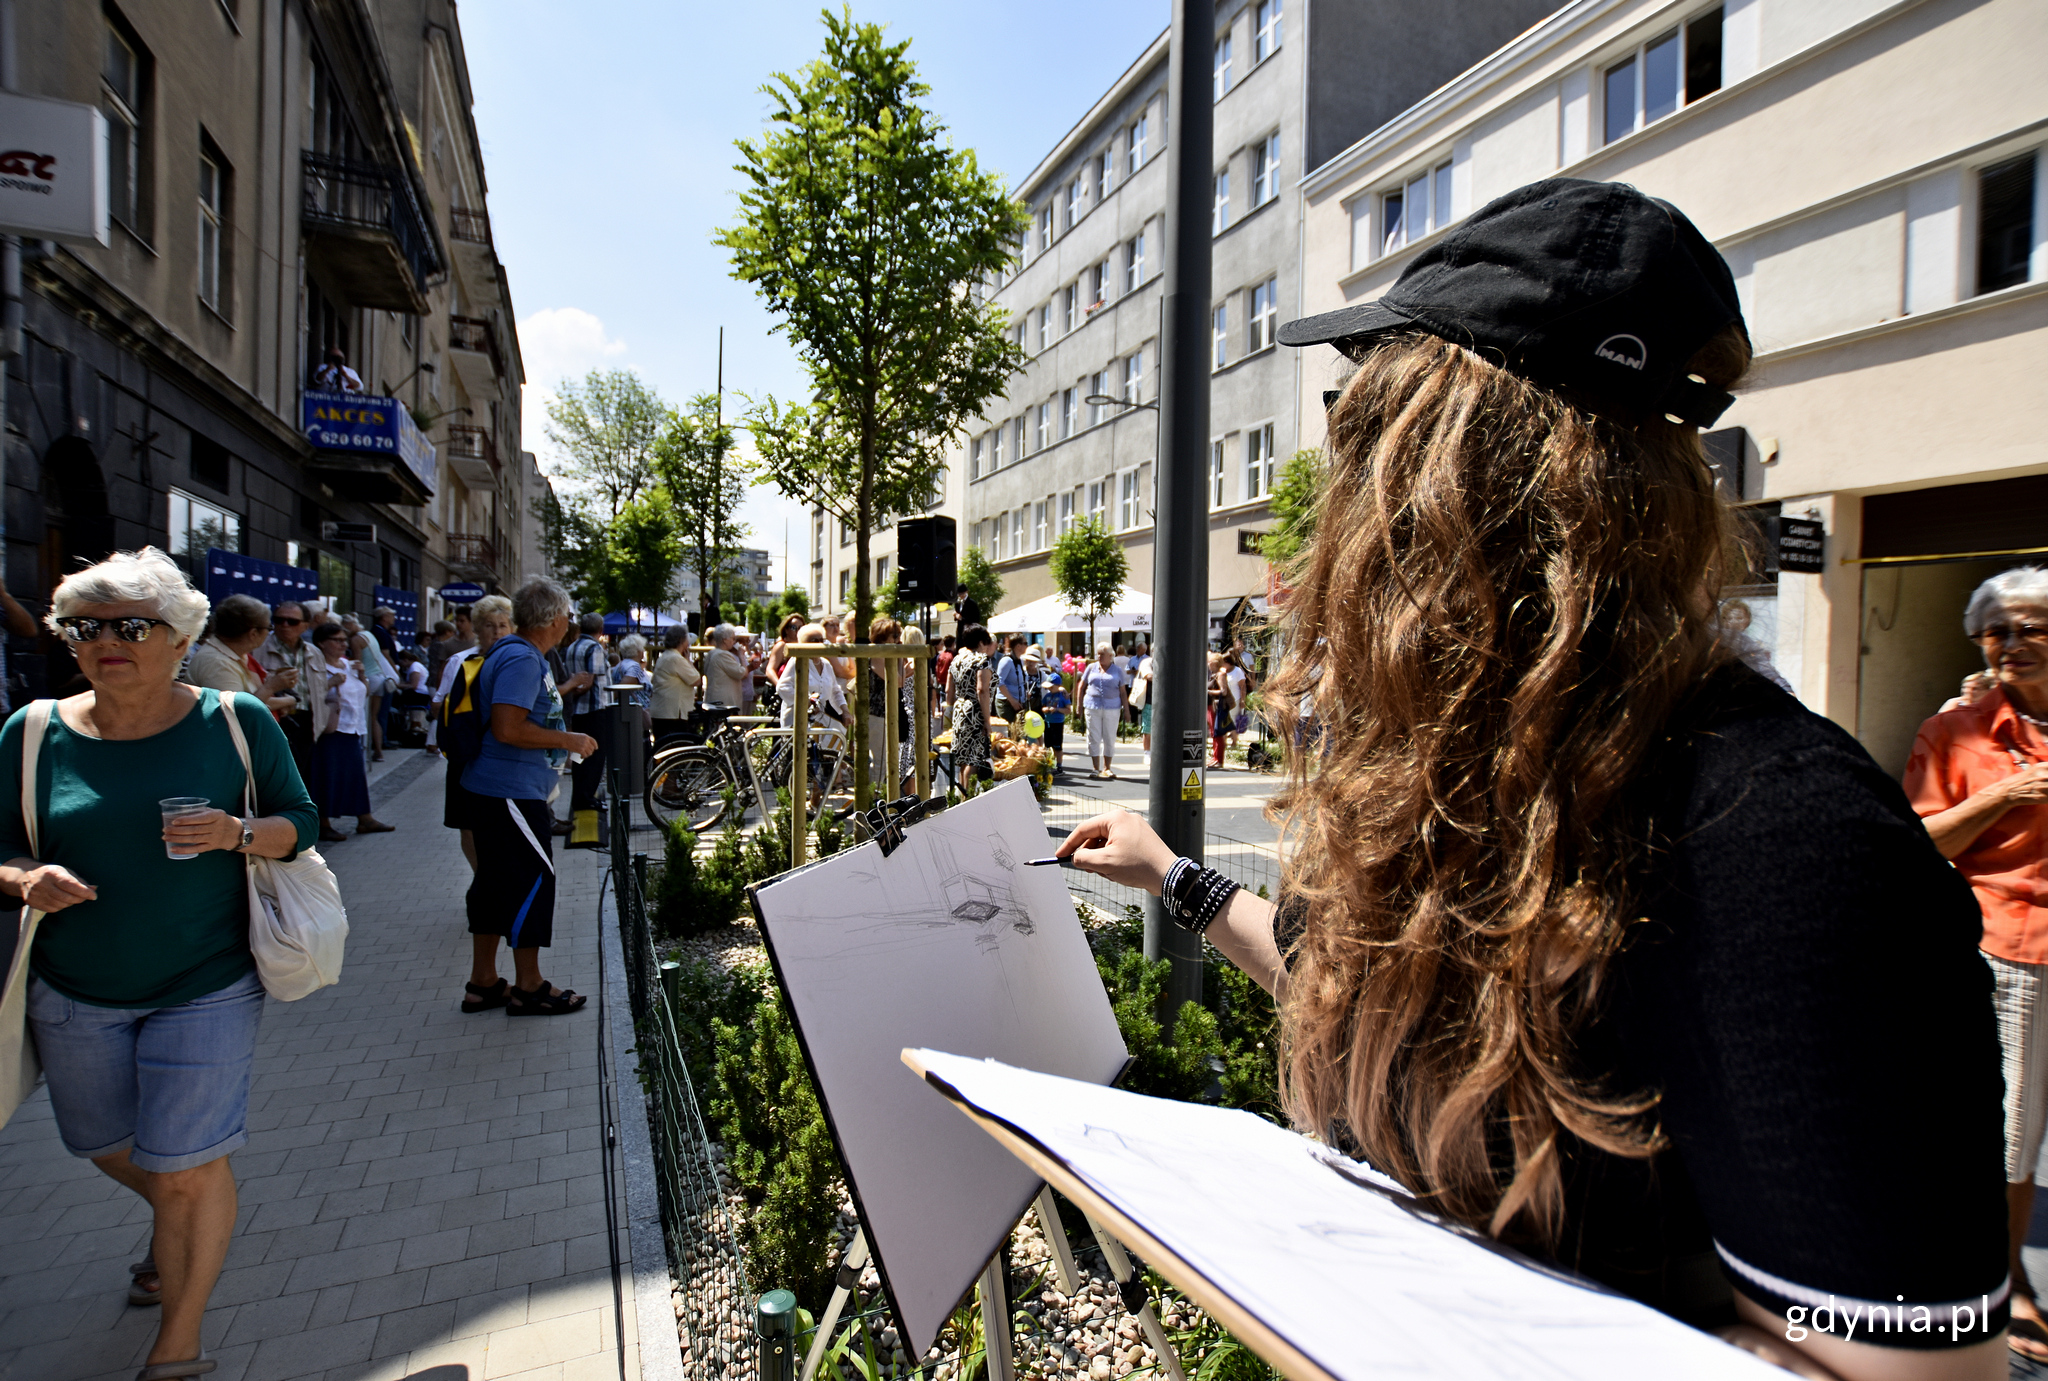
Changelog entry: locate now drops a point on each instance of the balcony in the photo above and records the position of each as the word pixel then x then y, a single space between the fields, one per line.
pixel 473 456
pixel 470 227
pixel 366 446
pixel 473 555
pixel 473 345
pixel 362 220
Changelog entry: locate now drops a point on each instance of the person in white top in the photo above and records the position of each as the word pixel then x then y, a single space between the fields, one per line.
pixel 822 681
pixel 340 786
pixel 632 667
pixel 1240 687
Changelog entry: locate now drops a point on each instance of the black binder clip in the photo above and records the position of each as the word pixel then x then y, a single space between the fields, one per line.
pixel 886 821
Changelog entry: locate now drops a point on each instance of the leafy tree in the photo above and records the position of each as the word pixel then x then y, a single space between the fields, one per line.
pixel 866 233
pixel 706 480
pixel 1089 569
pixel 978 574
pixel 606 427
pixel 889 601
pixel 575 546
pixel 1294 508
pixel 641 551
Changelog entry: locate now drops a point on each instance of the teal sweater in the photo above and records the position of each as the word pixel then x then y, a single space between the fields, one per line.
pixel 162 932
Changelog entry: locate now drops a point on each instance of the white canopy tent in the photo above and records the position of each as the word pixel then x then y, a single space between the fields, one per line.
pixel 1133 613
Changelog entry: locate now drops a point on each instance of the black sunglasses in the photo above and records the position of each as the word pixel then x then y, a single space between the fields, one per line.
pixel 128 630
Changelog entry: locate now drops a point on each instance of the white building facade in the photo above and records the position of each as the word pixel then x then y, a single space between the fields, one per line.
pixel 1873 174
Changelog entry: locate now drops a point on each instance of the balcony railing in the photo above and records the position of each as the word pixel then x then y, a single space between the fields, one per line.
pixel 474 333
pixel 472 227
pixel 343 195
pixel 473 444
pixel 473 551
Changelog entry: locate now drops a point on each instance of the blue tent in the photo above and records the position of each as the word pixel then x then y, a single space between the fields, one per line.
pixel 621 621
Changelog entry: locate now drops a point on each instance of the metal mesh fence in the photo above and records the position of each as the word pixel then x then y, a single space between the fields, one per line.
pixel 1253 865
pixel 698 1218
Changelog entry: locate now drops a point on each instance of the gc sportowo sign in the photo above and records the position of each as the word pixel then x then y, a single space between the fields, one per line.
pixel 53 169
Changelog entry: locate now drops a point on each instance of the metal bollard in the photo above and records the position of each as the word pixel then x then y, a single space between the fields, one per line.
pixel 775 1336
pixel 672 982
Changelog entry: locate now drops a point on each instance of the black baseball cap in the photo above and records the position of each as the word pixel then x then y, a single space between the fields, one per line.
pixel 1588 286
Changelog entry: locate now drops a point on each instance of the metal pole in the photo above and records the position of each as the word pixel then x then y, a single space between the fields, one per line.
pixel 800 764
pixel 892 678
pixel 775 1334
pixel 921 720
pixel 1180 545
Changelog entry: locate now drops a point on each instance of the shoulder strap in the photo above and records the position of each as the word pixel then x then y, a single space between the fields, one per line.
pixel 227 705
pixel 33 730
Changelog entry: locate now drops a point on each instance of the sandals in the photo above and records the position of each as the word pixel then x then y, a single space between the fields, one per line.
pixel 379 828
pixel 542 1003
pixel 172 1371
pixel 136 1271
pixel 482 999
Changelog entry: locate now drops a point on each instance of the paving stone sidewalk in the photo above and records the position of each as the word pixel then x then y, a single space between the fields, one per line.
pixel 422 1195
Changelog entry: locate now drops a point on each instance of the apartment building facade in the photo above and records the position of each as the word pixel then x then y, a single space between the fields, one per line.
pixel 1873 173
pixel 287 177
pixel 1084 294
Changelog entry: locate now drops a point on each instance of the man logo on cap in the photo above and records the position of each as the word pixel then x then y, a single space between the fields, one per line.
pixel 1623 349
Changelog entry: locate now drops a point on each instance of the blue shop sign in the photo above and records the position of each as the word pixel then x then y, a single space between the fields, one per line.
pixel 367 424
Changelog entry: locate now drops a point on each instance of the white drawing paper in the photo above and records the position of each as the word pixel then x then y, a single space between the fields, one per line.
pixel 949 941
pixel 1319 1247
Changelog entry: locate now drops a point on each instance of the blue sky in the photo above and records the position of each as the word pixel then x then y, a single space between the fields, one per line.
pixel 608 134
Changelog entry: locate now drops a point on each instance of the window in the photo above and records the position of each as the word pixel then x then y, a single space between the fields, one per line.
pixel 1266 169
pixel 1066 518
pixel 1098 387
pixel 212 201
pixel 2005 222
pixel 1219 207
pixel 1045 229
pixel 1222 82
pixel 1258 462
pixel 1219 336
pixel 195 527
pixel 1016 532
pixel 1070 412
pixel 1265 316
pixel 1020 440
pixel 1045 326
pixel 1074 203
pixel 818 544
pixel 124 71
pixel 1134 377
pixel 995 448
pixel 1127 500
pixel 881 570
pixel 1417 209
pixel 1105 171
pixel 1266 37
pixel 1070 307
pixel 1216 474
pixel 1134 144
pixel 1134 264
pixel 846 586
pixel 1044 426
pixel 1101 283
pixel 974 459
pixel 1675 68
pixel 1038 526
pixel 1098 500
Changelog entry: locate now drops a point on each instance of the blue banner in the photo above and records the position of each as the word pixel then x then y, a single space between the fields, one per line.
pixel 366 424
pixel 406 605
pixel 273 582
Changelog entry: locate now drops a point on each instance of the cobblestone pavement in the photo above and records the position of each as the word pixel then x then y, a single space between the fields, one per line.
pixel 422 1194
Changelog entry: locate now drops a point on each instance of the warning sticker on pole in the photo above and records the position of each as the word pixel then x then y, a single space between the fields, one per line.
pixel 1191 789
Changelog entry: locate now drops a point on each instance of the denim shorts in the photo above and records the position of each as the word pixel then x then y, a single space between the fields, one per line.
pixel 170 1084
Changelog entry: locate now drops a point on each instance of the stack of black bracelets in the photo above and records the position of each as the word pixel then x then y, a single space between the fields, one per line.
pixel 1194 895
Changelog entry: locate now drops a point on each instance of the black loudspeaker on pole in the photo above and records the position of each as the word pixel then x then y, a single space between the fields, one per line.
pixel 926 558
pixel 1180 569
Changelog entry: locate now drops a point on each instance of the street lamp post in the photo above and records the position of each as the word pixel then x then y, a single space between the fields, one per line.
pixel 1180 546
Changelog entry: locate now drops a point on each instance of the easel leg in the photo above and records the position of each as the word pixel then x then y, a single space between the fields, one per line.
pixel 1056 1238
pixel 995 1323
pixel 850 1267
pixel 1131 1288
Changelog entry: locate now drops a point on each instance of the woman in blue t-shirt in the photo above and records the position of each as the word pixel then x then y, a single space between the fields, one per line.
pixel 513 893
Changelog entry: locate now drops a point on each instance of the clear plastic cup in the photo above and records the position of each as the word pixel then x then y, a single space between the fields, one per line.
pixel 175 806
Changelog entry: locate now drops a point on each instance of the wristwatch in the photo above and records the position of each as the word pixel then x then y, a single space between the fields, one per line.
pixel 248 837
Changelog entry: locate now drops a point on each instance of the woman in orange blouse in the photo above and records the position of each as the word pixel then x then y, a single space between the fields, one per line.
pixel 1978 777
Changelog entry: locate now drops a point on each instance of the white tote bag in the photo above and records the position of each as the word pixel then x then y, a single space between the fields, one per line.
pixel 19 1068
pixel 297 924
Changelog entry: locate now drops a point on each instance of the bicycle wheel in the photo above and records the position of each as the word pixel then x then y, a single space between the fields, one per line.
pixel 688 785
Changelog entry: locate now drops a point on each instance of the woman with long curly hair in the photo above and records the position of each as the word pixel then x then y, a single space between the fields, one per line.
pixel 1595 939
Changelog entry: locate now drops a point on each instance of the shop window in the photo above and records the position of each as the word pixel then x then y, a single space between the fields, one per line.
pixel 195 526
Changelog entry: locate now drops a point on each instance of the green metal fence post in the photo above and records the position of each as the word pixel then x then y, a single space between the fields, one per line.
pixel 672 982
pixel 775 1336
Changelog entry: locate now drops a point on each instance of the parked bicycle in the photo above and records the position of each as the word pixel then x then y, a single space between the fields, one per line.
pixel 690 780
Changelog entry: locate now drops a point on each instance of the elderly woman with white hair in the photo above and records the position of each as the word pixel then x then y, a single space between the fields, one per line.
pixel 631 667
pixel 1978 778
pixel 143 997
pixel 1102 700
pixel 675 682
pixel 725 670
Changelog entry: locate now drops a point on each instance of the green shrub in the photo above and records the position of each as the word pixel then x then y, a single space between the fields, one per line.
pixel 707 994
pixel 765 1110
pixel 675 905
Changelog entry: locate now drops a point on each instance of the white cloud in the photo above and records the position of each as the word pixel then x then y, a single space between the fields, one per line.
pixel 557 344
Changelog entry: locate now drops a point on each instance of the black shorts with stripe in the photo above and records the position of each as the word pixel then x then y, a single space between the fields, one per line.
pixel 459 805
pixel 513 893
